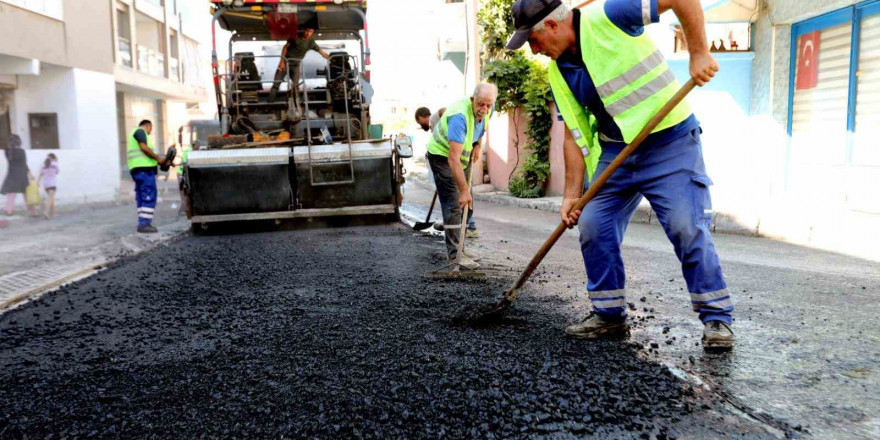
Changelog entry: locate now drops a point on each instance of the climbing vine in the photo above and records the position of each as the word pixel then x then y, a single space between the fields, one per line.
pixel 522 83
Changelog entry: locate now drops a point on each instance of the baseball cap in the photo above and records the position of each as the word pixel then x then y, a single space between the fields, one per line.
pixel 526 14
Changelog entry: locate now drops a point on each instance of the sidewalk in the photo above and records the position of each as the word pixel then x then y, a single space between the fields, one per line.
pixel 37 254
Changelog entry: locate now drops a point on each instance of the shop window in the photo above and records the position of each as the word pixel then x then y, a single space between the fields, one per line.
pixel 43 130
pixel 721 37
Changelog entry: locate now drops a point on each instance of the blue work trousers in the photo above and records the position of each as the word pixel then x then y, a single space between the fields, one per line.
pixel 673 179
pixel 145 194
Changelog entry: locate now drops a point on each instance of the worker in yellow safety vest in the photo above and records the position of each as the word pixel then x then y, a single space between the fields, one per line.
pixel 142 164
pixel 608 80
pixel 454 138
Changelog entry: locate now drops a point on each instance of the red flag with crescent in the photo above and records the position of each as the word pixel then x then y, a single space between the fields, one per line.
pixel 808 61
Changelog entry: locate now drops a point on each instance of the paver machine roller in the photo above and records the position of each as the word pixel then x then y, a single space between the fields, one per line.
pixel 304 149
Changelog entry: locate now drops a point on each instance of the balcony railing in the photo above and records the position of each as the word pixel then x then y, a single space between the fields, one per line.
pixel 174 69
pixel 124 52
pixel 151 61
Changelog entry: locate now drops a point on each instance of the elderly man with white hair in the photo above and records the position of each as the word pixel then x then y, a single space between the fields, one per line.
pixel 454 140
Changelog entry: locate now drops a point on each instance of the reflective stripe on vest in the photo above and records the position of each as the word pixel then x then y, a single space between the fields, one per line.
pixel 136 157
pixel 578 119
pixel 439 142
pixel 632 77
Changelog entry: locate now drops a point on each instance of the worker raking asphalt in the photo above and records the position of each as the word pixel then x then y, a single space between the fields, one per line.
pixel 326 333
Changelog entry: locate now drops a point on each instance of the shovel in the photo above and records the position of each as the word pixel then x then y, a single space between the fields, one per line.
pixel 421 226
pixel 498 310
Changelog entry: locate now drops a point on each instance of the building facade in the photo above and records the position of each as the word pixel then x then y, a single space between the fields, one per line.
pixel 76 77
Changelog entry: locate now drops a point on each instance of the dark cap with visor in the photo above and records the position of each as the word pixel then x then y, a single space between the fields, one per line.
pixel 526 14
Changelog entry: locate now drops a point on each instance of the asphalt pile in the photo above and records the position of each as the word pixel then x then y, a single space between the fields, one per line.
pixel 328 333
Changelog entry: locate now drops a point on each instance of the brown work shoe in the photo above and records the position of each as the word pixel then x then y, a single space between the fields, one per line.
pixel 472 255
pixel 717 336
pixel 594 326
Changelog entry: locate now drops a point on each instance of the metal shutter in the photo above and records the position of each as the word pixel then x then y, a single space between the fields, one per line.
pixel 819 114
pixel 819 117
pixel 866 141
pixel 863 192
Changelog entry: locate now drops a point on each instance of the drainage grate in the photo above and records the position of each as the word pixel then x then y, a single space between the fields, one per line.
pixel 16 284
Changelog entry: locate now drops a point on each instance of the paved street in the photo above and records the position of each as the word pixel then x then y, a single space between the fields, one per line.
pixel 334 333
pixel 807 344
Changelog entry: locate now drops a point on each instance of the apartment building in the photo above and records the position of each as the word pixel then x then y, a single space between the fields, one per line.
pixel 77 76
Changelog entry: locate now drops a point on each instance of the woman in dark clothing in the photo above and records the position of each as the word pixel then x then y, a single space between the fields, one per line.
pixel 17 174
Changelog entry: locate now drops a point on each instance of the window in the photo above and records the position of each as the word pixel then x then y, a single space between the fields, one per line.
pixel 194 65
pixel 49 8
pixel 43 130
pixel 150 45
pixel 123 35
pixel 5 128
pixel 173 57
pixel 722 37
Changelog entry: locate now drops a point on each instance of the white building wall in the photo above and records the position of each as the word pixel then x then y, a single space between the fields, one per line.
pixel 85 102
pixel 98 140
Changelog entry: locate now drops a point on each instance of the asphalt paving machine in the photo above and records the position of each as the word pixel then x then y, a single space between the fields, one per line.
pixel 276 158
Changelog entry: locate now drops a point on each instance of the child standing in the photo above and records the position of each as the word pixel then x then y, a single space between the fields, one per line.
pixel 49 182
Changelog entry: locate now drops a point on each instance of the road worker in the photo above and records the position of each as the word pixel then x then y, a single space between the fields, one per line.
pixel 454 138
pixel 142 164
pixel 608 80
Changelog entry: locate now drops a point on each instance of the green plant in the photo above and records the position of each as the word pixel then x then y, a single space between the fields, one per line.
pixel 496 20
pixel 521 82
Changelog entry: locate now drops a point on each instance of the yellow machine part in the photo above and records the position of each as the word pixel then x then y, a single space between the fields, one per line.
pixel 260 137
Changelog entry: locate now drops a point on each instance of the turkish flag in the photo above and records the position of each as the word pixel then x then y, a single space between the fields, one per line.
pixel 808 61
pixel 282 25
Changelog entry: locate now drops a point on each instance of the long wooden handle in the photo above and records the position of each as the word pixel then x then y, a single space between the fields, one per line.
pixel 596 185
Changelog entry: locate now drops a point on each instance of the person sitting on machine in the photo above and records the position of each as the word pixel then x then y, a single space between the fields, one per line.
pixel 293 53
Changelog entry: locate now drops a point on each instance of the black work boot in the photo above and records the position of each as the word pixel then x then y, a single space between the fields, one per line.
pixel 148 229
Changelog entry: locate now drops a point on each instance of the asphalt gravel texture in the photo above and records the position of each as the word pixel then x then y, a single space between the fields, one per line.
pixel 322 333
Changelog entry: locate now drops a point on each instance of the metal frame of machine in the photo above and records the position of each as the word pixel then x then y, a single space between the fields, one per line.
pixel 321 159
